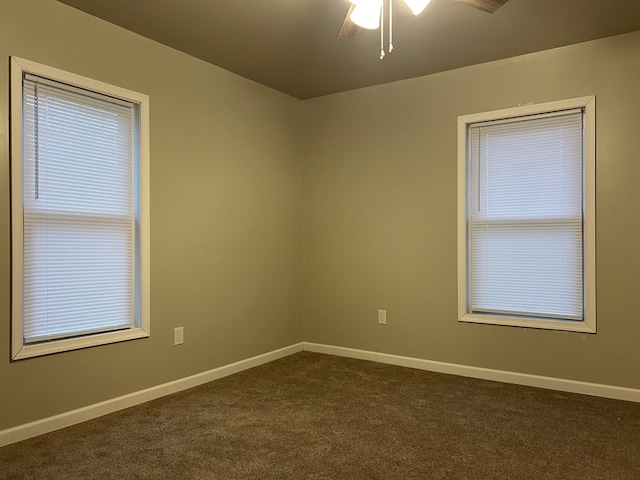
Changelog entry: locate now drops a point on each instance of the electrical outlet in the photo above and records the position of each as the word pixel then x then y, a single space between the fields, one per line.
pixel 382 317
pixel 178 335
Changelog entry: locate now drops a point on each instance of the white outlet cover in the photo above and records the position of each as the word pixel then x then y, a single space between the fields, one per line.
pixel 178 335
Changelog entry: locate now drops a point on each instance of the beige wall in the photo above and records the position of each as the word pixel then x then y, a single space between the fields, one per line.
pixel 379 214
pixel 225 214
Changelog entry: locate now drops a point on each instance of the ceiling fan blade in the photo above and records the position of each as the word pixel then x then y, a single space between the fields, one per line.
pixel 349 29
pixel 488 6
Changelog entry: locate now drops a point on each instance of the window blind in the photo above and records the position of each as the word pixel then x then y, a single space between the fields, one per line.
pixel 525 210
pixel 78 212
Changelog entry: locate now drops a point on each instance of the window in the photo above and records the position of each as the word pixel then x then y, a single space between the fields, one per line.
pixel 80 211
pixel 526 226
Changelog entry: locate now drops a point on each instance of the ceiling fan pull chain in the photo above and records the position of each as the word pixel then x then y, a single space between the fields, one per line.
pixel 382 31
pixel 390 26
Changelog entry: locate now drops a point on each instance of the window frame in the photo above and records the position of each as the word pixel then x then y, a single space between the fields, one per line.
pixel 20 349
pixel 588 323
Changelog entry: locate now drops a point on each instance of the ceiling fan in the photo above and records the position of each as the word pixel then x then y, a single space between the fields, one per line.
pixel 369 14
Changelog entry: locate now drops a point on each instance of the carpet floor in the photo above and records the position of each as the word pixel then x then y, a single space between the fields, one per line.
pixel 313 416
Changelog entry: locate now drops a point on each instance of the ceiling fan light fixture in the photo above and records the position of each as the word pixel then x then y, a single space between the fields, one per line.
pixel 366 14
pixel 417 6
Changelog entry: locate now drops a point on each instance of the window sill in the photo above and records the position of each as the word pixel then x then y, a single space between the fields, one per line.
pixel 21 351
pixel 529 322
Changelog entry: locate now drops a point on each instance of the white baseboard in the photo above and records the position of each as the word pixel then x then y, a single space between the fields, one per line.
pixel 50 424
pixel 560 384
pixel 46 425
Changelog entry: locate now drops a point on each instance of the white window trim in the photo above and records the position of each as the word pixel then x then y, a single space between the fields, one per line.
pixel 19 350
pixel 588 325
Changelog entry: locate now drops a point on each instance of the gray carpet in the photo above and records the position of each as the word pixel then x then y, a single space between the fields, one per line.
pixel 312 416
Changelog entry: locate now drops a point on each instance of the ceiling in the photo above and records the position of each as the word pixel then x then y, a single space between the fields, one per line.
pixel 292 45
